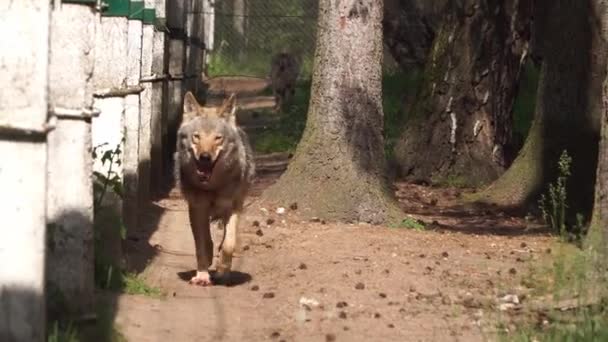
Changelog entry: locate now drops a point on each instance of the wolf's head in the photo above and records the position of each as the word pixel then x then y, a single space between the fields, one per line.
pixel 208 135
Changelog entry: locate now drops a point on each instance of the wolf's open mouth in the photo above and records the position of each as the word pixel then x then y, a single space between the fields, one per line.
pixel 204 168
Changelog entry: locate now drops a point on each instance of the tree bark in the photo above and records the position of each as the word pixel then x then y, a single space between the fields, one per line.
pixel 462 115
pixel 597 237
pixel 239 19
pixel 338 170
pixel 568 108
pixel 409 29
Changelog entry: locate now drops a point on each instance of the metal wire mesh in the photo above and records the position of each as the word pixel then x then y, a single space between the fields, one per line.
pixel 248 33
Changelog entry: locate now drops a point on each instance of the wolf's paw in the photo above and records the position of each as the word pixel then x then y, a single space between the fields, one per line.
pixel 222 271
pixel 201 279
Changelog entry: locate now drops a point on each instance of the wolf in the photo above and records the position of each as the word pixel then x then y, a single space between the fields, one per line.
pixel 214 169
pixel 284 71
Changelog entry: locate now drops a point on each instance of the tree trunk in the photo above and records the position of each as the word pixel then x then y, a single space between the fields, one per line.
pixel 409 29
pixel 239 27
pixel 597 237
pixel 338 171
pixel 568 108
pixel 462 115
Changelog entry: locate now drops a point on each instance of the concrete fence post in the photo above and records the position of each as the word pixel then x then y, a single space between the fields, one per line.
pixel 148 79
pixel 209 27
pixel 159 89
pixel 195 32
pixel 176 18
pixel 70 238
pixel 109 79
pixel 132 116
pixel 23 147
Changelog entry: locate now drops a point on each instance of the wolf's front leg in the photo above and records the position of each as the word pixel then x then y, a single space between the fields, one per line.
pixel 199 221
pixel 228 244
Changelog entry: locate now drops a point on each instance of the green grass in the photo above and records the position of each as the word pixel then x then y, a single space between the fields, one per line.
pixel 58 332
pixel 254 64
pixel 135 285
pixel 568 273
pixel 284 137
pixel 411 223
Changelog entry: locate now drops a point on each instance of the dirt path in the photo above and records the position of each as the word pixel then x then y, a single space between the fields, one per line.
pixel 308 280
pixel 302 279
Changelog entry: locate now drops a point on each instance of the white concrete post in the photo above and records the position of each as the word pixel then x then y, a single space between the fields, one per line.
pixel 195 45
pixel 148 78
pixel 70 262
pixel 23 135
pixel 132 123
pixel 189 28
pixel 209 26
pixel 109 79
pixel 176 18
pixel 159 90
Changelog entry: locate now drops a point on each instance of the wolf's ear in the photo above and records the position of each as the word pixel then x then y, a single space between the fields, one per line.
pixel 190 103
pixel 228 109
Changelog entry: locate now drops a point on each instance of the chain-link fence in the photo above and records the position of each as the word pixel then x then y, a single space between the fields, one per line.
pixel 247 33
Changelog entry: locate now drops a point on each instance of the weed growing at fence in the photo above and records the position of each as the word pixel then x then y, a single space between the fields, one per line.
pixel 59 332
pixel 108 223
pixel 553 205
pixel 134 284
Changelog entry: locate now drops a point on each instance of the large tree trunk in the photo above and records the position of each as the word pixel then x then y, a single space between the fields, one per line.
pixel 410 27
pixel 338 171
pixel 597 237
pixel 568 107
pixel 461 120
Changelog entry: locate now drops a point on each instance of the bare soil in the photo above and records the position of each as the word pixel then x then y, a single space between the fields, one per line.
pixel 303 279
pixel 298 278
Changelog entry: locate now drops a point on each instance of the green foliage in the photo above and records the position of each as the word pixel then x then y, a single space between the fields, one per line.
pixel 106 274
pixel 286 133
pixel 590 325
pixel 104 329
pixel 411 223
pixel 525 103
pixel 111 180
pixel 135 285
pixel 553 205
pixel 271 27
pixel 570 273
pixel 114 279
pixel 62 332
pixel 398 86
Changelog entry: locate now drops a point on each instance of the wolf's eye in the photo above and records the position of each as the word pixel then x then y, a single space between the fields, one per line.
pixel 196 136
pixel 219 137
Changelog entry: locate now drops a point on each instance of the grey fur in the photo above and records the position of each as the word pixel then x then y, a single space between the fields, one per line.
pixel 235 166
pixel 284 71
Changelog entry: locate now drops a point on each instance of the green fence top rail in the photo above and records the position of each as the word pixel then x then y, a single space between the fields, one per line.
pixel 116 8
pixel 149 16
pixel 136 10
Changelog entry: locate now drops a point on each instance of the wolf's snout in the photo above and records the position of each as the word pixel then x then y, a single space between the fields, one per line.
pixel 205 157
